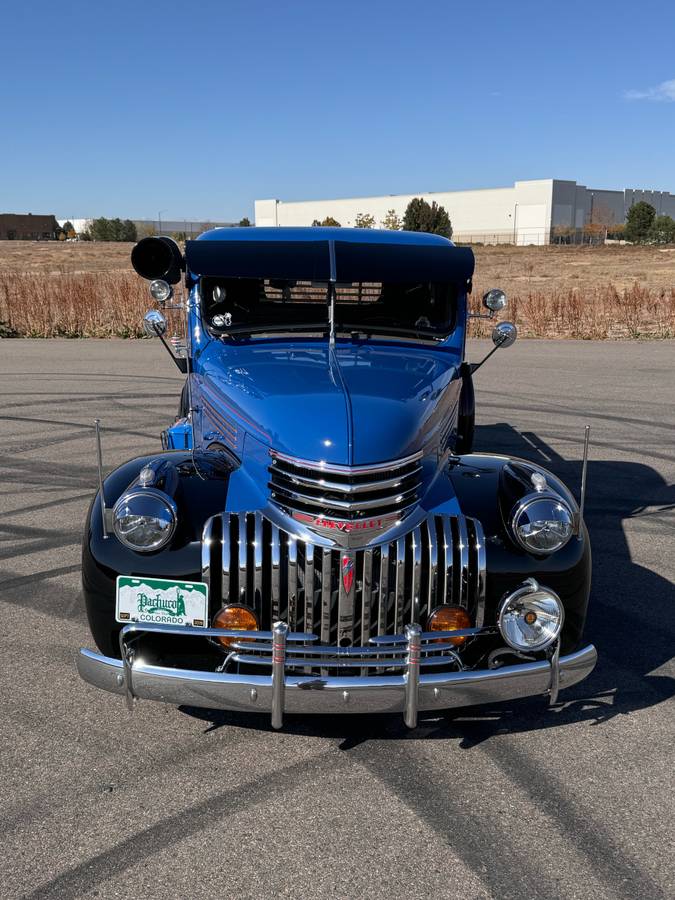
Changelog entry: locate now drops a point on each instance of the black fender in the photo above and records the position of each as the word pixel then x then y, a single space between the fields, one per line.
pixel 201 491
pixel 487 487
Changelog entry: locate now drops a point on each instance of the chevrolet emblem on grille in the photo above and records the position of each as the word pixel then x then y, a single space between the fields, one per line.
pixel 348 534
pixel 347 573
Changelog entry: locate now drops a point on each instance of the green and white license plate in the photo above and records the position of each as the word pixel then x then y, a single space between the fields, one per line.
pixel 161 602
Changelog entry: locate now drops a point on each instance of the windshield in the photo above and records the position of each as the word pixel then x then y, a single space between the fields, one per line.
pixel 248 306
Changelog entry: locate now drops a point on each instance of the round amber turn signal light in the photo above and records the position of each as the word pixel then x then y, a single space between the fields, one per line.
pixel 234 618
pixel 450 618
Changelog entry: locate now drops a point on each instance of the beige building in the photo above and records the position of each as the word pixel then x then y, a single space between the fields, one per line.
pixel 529 212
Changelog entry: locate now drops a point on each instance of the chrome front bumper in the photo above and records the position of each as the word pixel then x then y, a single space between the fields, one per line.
pixel 280 692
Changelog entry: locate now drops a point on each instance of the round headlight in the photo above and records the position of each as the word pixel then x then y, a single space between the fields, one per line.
pixel 144 520
pixel 542 524
pixel 161 290
pixel 531 617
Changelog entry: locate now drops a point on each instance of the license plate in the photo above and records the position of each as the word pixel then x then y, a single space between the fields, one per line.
pixel 157 601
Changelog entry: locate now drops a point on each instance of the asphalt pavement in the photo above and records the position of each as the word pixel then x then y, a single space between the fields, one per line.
pixel 517 801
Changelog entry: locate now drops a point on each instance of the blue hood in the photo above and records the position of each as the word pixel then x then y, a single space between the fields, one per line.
pixel 369 403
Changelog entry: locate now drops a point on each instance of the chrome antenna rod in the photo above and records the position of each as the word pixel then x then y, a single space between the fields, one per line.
pixel 99 459
pixel 584 466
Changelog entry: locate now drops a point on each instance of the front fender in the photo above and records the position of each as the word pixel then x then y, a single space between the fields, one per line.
pixel 478 481
pixel 201 492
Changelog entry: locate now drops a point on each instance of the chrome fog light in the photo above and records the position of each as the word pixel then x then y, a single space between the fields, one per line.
pixel 531 617
pixel 144 520
pixel 542 523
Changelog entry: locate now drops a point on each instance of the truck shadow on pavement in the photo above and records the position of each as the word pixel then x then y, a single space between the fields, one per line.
pixel 629 620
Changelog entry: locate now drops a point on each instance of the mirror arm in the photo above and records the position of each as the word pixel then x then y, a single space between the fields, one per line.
pixel 180 363
pixel 476 366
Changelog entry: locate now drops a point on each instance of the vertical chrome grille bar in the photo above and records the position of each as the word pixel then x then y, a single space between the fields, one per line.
pixel 276 574
pixel 400 585
pixel 384 590
pixel 366 596
pixel 309 588
pixel 243 548
pixel 416 575
pixel 346 592
pixel 226 556
pixel 448 550
pixel 432 589
pixel 258 556
pixel 481 574
pixel 463 562
pixel 292 583
pixel 207 549
pixel 325 595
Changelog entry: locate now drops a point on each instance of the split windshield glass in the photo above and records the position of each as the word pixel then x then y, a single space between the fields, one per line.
pixel 251 306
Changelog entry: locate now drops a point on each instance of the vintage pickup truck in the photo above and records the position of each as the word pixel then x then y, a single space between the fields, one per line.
pixel 316 534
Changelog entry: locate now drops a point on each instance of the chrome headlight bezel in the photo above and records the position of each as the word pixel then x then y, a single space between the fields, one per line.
pixel 529 594
pixel 558 504
pixel 163 500
pixel 161 290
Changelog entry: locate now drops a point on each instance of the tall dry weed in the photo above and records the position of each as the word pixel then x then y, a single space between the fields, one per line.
pixel 594 313
pixel 106 304
pixel 112 303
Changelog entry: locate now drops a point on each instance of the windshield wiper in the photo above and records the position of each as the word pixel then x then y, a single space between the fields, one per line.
pixel 289 327
pixel 368 330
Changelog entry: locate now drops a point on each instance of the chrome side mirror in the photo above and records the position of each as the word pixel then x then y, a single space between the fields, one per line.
pixel 494 300
pixel 504 334
pixel 154 323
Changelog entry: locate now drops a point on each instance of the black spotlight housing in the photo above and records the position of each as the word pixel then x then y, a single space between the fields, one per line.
pixel 158 257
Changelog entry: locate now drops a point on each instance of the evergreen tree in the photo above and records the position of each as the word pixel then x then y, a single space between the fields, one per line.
pixel 103 229
pixel 639 220
pixel 129 231
pixel 245 222
pixel 430 217
pixel 100 230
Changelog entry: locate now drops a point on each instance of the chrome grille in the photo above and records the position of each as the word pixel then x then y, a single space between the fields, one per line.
pixel 344 597
pixel 344 492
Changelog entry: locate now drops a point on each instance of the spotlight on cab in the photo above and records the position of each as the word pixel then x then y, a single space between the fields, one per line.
pixel 158 258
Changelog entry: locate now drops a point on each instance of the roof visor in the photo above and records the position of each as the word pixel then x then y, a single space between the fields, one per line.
pixel 327 260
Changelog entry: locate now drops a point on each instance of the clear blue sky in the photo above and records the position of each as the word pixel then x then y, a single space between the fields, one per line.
pixel 118 108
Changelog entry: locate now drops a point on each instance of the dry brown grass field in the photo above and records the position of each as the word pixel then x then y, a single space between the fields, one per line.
pixel 90 290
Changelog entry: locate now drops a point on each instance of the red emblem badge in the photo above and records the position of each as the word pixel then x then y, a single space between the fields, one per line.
pixel 347 573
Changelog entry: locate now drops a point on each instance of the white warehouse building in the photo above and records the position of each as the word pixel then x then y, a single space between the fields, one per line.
pixel 530 212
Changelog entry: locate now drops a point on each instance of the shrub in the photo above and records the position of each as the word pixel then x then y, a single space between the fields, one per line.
pixel 392 221
pixel 364 220
pixel 328 222
pixel 662 231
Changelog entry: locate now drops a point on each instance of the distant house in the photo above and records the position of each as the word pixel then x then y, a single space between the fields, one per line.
pixel 17 227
